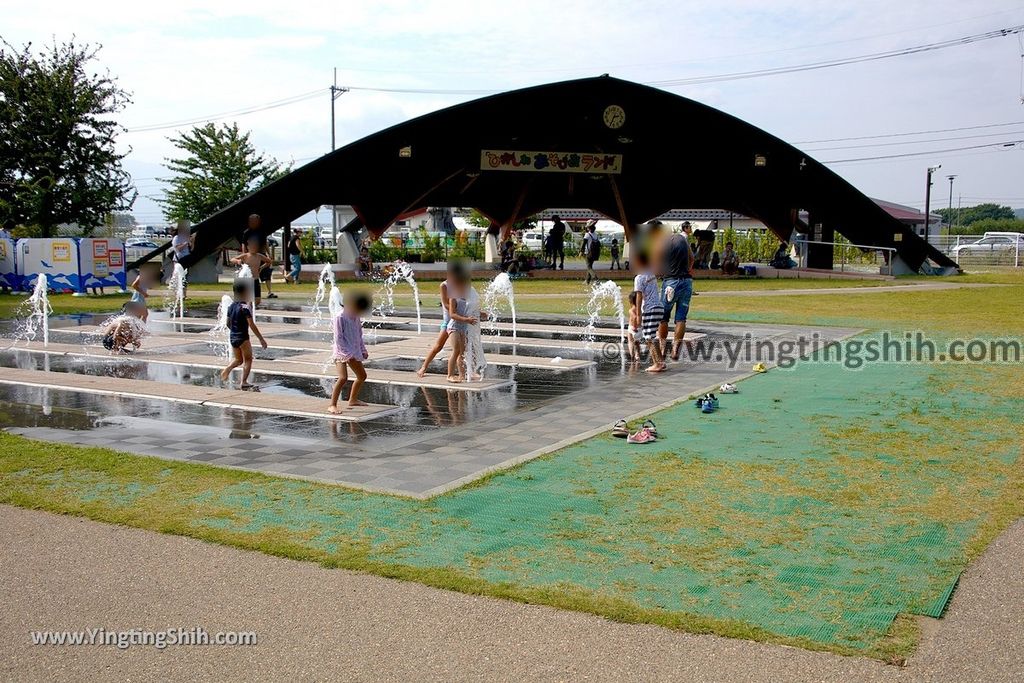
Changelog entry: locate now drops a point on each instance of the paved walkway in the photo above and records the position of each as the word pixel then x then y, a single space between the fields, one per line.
pixel 317 624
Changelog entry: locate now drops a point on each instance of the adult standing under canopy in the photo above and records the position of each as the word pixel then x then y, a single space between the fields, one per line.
pixel 674 262
pixel 591 250
pixel 294 252
pixel 181 248
pixel 557 235
pixel 252 230
pixel 181 243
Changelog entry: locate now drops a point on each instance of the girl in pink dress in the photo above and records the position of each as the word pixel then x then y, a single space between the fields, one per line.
pixel 349 349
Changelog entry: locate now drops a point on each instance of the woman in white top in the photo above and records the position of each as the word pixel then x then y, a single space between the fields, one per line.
pixel 181 243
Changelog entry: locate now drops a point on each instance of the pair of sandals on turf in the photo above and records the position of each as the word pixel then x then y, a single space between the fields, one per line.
pixel 648 431
pixel 708 403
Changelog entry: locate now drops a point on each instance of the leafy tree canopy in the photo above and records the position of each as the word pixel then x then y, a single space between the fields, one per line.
pixel 58 161
pixel 481 221
pixel 219 165
pixel 967 215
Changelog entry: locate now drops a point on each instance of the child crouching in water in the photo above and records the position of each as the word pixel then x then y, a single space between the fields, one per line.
pixel 126 329
pixel 349 349
pixel 239 323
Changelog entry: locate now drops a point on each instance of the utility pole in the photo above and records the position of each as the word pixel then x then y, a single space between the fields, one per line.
pixel 336 92
pixel 949 214
pixel 928 200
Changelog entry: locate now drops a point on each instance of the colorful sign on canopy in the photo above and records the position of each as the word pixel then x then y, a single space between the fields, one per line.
pixel 550 162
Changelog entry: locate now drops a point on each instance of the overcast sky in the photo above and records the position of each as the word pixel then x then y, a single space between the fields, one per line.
pixel 183 60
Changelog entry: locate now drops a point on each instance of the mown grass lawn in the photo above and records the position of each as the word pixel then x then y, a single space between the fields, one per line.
pixel 66 304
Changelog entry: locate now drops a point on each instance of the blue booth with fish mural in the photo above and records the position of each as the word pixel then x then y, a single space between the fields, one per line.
pixel 101 264
pixel 72 265
pixel 56 257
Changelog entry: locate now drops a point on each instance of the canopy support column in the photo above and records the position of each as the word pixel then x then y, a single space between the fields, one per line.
pixel 820 255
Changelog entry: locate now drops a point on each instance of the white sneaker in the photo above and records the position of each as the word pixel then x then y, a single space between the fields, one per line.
pixel 728 389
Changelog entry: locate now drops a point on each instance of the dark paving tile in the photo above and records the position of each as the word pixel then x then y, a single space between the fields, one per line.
pixel 304 471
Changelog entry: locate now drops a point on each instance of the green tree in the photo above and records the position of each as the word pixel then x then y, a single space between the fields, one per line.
pixel 219 166
pixel 971 214
pixel 58 161
pixel 478 219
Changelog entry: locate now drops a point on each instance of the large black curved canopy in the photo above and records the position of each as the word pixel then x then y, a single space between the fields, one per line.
pixel 675 153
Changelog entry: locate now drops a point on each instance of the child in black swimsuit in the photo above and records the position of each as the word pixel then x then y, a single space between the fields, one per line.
pixel 240 321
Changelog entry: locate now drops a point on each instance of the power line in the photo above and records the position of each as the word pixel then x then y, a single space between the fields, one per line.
pixel 888 54
pixel 294 99
pixel 918 142
pixel 919 132
pixel 993 199
pixel 1008 143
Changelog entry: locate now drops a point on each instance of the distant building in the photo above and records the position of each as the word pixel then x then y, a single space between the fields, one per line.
pixel 910 216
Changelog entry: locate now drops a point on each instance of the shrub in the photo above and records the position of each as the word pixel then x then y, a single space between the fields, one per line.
pixel 432 250
pixel 463 248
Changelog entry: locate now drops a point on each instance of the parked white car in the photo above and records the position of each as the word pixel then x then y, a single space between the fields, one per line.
pixel 533 241
pixel 146 231
pixel 325 236
pixel 137 247
pixel 140 243
pixel 993 242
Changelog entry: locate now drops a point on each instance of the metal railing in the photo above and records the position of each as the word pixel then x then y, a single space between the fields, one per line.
pixel 979 250
pixel 849 255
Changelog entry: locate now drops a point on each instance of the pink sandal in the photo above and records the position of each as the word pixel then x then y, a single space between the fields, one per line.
pixel 642 436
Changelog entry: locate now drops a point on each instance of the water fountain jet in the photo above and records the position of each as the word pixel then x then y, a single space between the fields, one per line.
pixel 600 294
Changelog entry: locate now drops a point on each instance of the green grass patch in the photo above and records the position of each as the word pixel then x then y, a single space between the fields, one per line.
pixel 67 304
pixel 952 312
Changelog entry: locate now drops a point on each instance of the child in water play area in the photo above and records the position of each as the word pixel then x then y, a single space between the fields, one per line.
pixel 256 260
pixel 459 325
pixel 140 291
pixel 126 329
pixel 634 328
pixel 239 323
pixel 648 298
pixel 349 349
pixel 454 268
